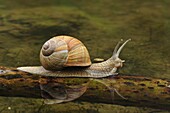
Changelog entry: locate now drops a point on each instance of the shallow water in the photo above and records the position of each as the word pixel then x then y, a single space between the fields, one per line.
pixel 25 26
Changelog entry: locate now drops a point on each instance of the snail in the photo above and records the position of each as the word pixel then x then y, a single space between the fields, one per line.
pixel 66 56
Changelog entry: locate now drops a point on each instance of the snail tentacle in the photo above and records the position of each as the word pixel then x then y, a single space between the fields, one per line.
pixel 121 47
pixel 116 48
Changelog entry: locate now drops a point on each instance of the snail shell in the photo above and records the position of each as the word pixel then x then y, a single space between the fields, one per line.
pixel 64 51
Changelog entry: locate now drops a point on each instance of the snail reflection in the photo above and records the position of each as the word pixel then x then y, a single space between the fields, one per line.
pixel 55 92
pixel 58 92
pixel 65 56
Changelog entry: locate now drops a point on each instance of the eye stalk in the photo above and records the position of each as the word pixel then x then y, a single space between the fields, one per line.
pixel 118 49
pixel 117 61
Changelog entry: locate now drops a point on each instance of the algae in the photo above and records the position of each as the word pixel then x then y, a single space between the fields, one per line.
pixel 17 105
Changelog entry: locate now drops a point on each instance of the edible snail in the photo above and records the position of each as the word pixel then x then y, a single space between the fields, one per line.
pixel 65 56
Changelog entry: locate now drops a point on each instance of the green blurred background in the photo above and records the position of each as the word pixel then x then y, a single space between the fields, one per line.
pixel 99 24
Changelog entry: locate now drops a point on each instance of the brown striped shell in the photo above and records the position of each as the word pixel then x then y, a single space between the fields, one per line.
pixel 63 51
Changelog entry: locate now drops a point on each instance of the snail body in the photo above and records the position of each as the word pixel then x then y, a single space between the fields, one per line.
pixel 65 56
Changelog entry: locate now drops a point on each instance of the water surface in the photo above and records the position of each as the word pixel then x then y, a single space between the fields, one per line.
pixel 26 25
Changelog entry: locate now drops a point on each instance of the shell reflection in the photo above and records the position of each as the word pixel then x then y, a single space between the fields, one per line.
pixel 54 92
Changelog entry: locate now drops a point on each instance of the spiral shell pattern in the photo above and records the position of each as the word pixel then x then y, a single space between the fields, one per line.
pixel 63 51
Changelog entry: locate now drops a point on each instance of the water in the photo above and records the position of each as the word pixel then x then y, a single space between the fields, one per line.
pixel 26 25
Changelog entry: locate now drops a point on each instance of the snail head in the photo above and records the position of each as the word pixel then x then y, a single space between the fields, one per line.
pixel 117 61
